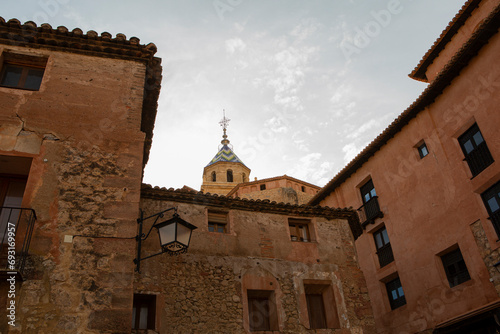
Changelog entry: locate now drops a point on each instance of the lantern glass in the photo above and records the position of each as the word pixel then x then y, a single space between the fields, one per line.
pixel 183 234
pixel 167 234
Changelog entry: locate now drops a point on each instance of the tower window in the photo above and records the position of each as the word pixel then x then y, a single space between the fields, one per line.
pixel 229 175
pixel 214 177
pixel 262 187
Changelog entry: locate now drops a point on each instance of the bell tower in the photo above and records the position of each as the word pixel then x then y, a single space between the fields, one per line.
pixel 225 170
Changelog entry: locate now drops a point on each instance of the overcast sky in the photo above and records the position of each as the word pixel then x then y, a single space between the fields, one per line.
pixel 306 84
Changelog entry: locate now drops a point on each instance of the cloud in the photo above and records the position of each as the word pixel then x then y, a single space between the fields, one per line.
pixel 310 168
pixel 363 128
pixel 350 151
pixel 235 44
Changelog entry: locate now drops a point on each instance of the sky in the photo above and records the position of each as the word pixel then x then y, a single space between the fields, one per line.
pixel 307 84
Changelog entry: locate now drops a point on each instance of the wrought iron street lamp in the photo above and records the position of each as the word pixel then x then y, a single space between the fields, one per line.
pixel 175 235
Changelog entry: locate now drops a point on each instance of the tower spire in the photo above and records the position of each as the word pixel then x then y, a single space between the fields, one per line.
pixel 224 123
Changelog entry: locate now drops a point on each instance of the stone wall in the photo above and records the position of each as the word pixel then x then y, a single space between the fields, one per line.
pixel 205 290
pixel 82 130
pixel 279 195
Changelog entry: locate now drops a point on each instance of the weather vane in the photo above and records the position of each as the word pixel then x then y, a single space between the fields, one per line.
pixel 224 123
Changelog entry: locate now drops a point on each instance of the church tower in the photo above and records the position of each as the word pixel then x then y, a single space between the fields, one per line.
pixel 225 170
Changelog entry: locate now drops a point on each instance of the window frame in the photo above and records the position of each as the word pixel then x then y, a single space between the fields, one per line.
pixel 494 216
pixel 270 313
pixel 384 252
pixel 324 293
pixel 150 302
pixel 297 225
pixel 26 63
pixel 459 275
pixel 262 187
pixel 421 148
pixel 216 219
pixel 479 157
pixel 229 176
pixel 392 286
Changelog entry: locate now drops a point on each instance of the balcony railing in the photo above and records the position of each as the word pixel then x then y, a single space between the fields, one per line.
pixel 479 159
pixel 385 255
pixel 369 211
pixel 16 228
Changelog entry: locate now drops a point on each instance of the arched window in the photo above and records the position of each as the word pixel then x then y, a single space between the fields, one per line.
pixel 214 177
pixel 229 175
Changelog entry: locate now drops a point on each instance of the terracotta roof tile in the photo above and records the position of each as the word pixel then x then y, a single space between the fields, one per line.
pixel 266 206
pixel 418 72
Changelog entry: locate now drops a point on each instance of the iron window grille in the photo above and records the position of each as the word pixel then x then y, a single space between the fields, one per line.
pixel 396 294
pixel 475 150
pixel 384 249
pixel 370 210
pixel 455 268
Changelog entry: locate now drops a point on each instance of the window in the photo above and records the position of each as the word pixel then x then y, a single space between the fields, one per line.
pixel 261 310
pixel 299 230
pixel 395 293
pixel 491 199
pixel 475 150
pixel 143 314
pixel 262 187
pixel 422 150
pixel 455 268
pixel 370 208
pixel 217 222
pixel 229 175
pixel 303 189
pixel 22 71
pixel 384 249
pixel 321 306
pixel 214 177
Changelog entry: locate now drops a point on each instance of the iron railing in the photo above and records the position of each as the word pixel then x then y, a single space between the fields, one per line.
pixel 385 255
pixel 479 159
pixel 16 228
pixel 369 211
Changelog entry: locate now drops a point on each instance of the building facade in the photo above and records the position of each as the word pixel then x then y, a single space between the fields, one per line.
pixel 281 189
pixel 75 129
pixel 253 266
pixel 427 189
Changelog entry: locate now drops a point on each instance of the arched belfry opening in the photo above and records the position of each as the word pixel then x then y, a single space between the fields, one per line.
pixel 229 175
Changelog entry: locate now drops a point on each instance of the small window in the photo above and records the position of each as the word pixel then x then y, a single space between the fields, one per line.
pixel 299 230
pixel 143 314
pixel 261 310
pixel 22 71
pixel 423 151
pixel 475 150
pixel 321 306
pixel 303 189
pixel 214 177
pixel 229 174
pixel 384 249
pixel 262 187
pixel 395 293
pixel 217 222
pixel 455 268
pixel 491 199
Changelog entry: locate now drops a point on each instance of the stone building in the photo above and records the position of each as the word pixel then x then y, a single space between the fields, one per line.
pixel 285 189
pixel 427 189
pixel 262 267
pixel 76 123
